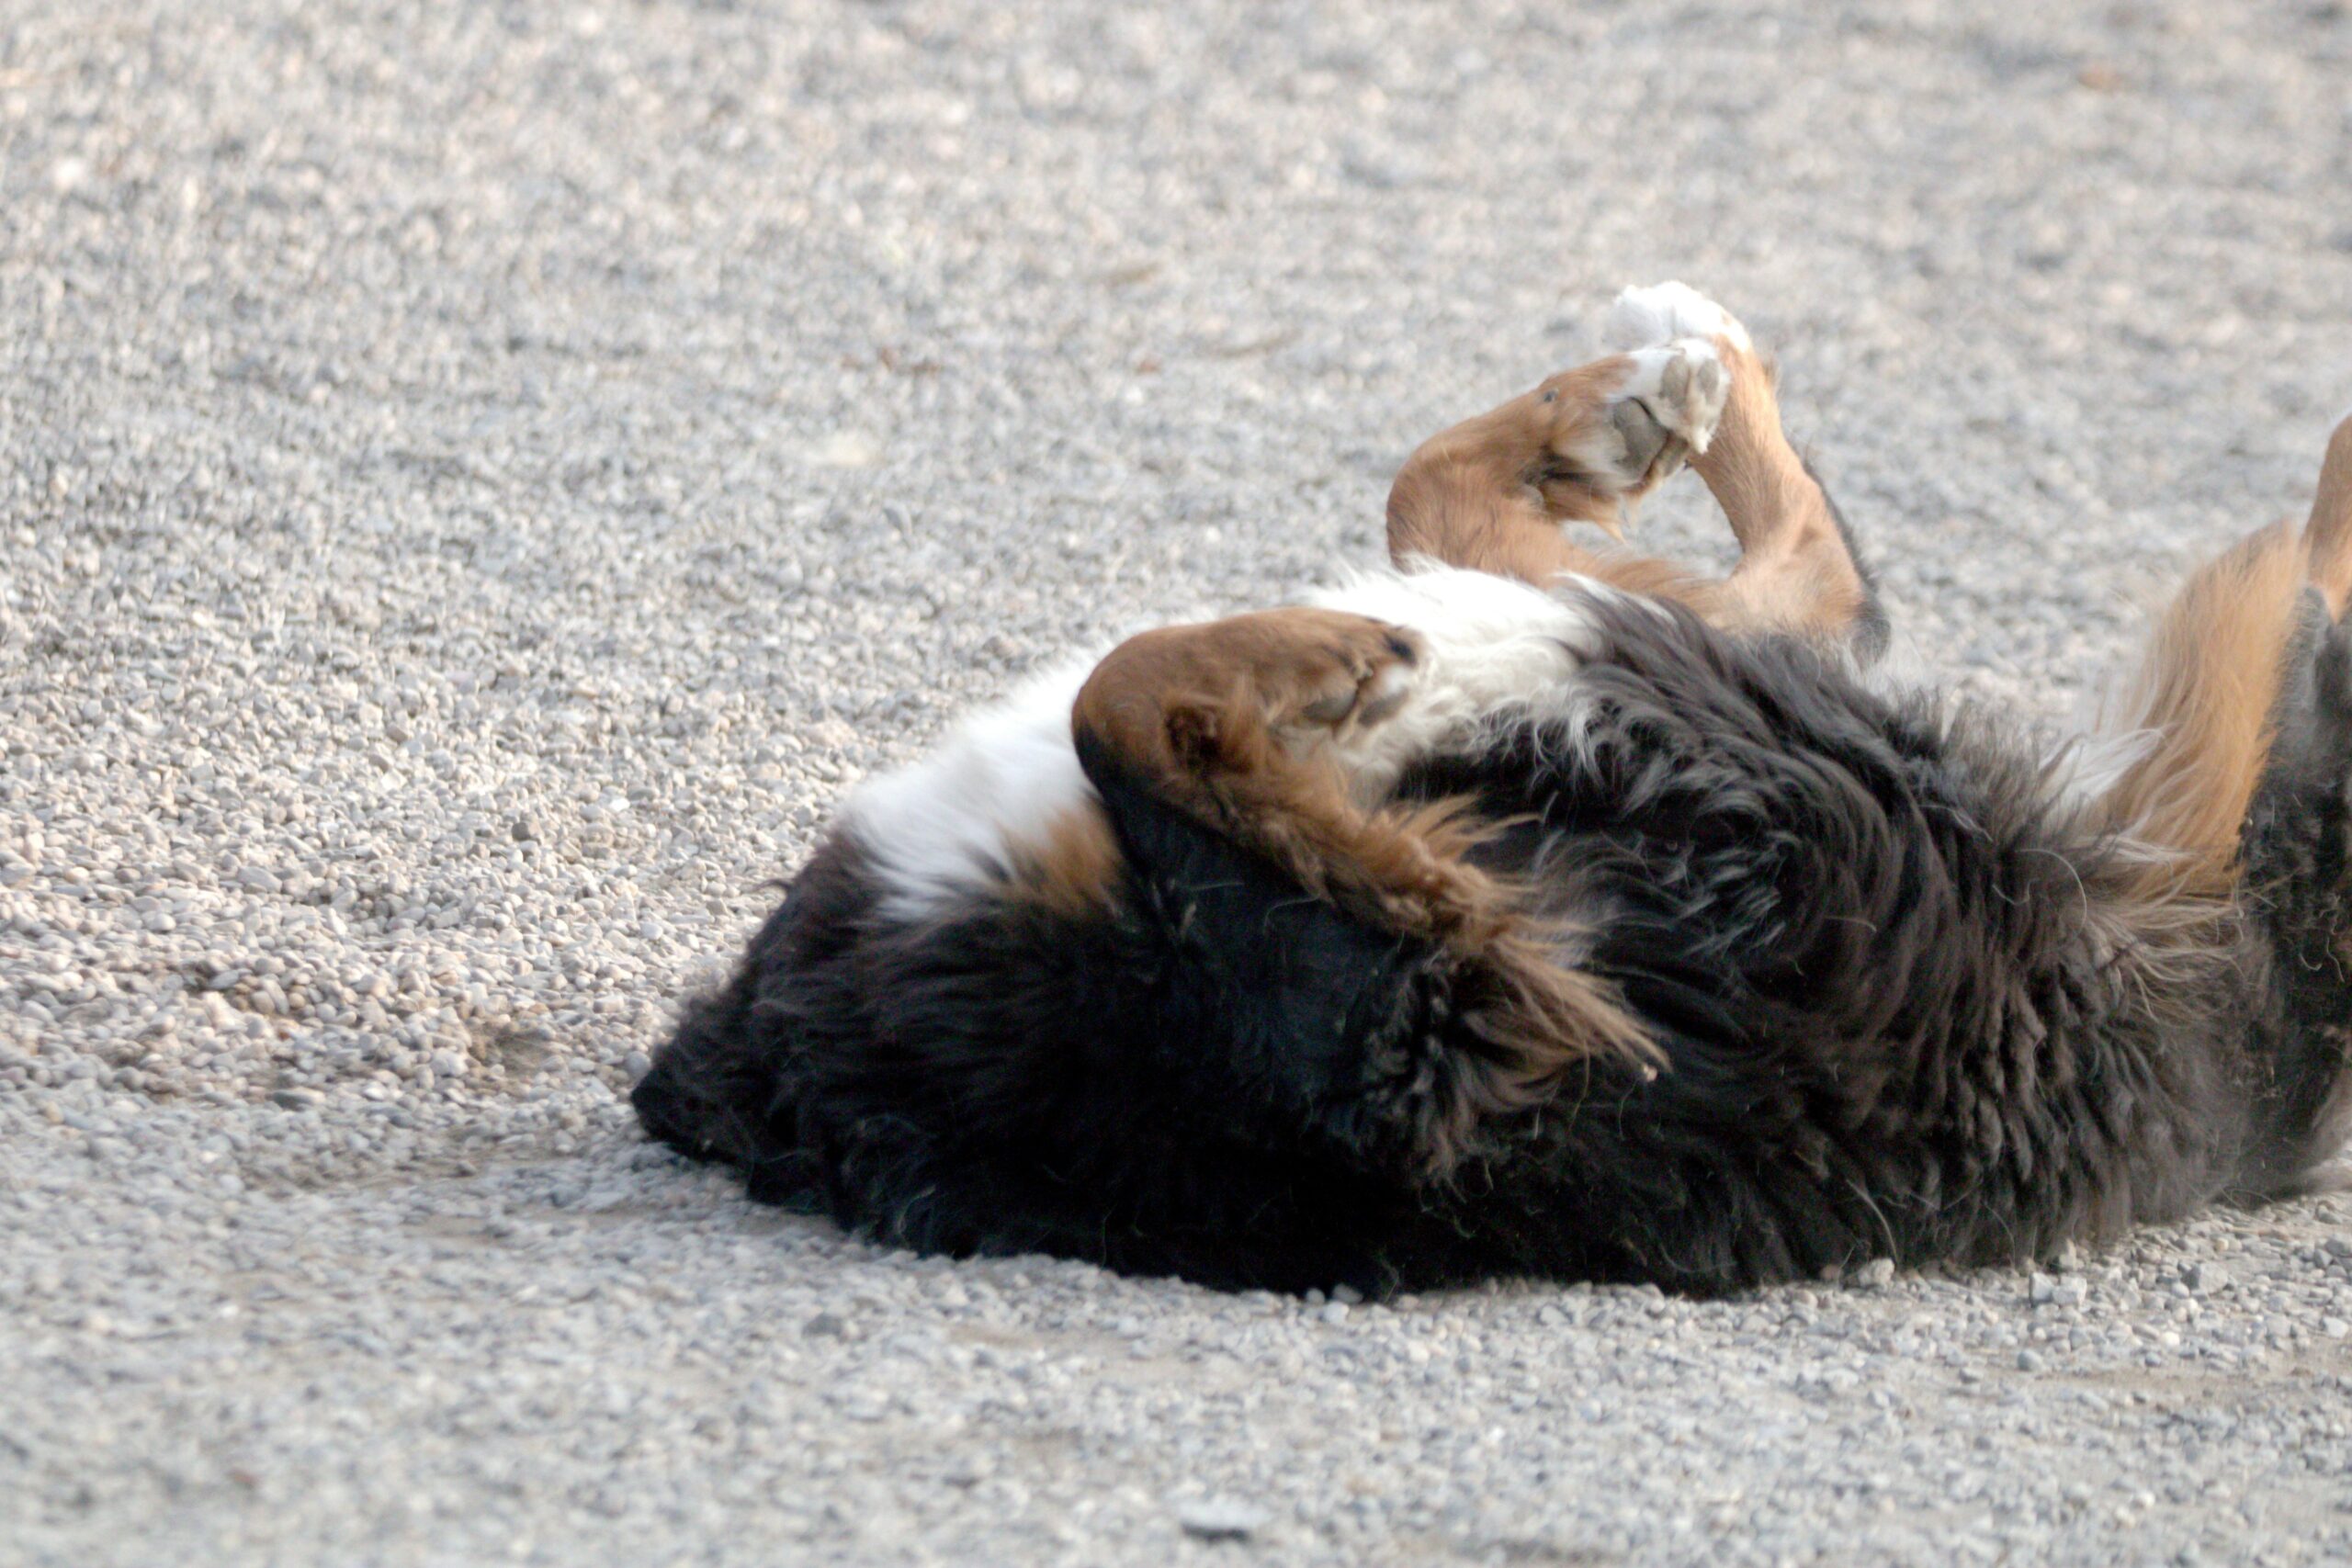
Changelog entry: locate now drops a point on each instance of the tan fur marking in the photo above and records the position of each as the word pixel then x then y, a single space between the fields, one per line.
pixel 2205 687
pixel 1490 493
pixel 2211 678
pixel 1200 713
pixel 1074 868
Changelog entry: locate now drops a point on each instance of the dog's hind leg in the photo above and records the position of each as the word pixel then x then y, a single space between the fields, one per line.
pixel 2206 694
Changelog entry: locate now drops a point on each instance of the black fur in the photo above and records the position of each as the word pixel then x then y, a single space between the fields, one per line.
pixel 1908 1008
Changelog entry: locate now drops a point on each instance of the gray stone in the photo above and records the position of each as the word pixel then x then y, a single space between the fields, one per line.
pixel 1220 1519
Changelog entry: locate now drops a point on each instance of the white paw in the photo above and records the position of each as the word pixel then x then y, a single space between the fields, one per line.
pixel 1664 311
pixel 1678 390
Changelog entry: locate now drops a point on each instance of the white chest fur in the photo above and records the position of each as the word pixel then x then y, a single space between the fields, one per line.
pixel 1494 650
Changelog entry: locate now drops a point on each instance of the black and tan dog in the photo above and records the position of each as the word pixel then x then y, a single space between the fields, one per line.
pixel 1523 910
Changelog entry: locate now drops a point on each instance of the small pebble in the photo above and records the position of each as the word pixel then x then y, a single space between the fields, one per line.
pixel 1220 1519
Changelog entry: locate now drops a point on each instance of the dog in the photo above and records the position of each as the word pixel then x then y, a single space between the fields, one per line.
pixel 1523 909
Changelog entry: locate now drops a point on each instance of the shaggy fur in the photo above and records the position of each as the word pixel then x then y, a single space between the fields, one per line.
pixel 1692 958
pixel 1907 1006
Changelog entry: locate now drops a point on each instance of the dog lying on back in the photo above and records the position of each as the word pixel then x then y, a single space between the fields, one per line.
pixel 1519 910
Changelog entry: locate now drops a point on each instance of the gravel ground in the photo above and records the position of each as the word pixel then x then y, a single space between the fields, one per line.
pixel 481 480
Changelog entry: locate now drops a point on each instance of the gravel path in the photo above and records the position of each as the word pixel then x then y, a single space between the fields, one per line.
pixel 478 482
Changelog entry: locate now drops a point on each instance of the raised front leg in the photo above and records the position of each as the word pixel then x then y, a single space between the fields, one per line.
pixel 1798 571
pixel 1494 493
pixel 1238 724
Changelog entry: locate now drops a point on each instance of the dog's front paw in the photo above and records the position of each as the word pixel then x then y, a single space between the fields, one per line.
pixel 1662 313
pixel 1673 394
pixel 1614 443
pixel 1350 673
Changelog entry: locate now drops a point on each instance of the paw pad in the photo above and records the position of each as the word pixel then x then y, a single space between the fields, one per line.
pixel 1679 389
